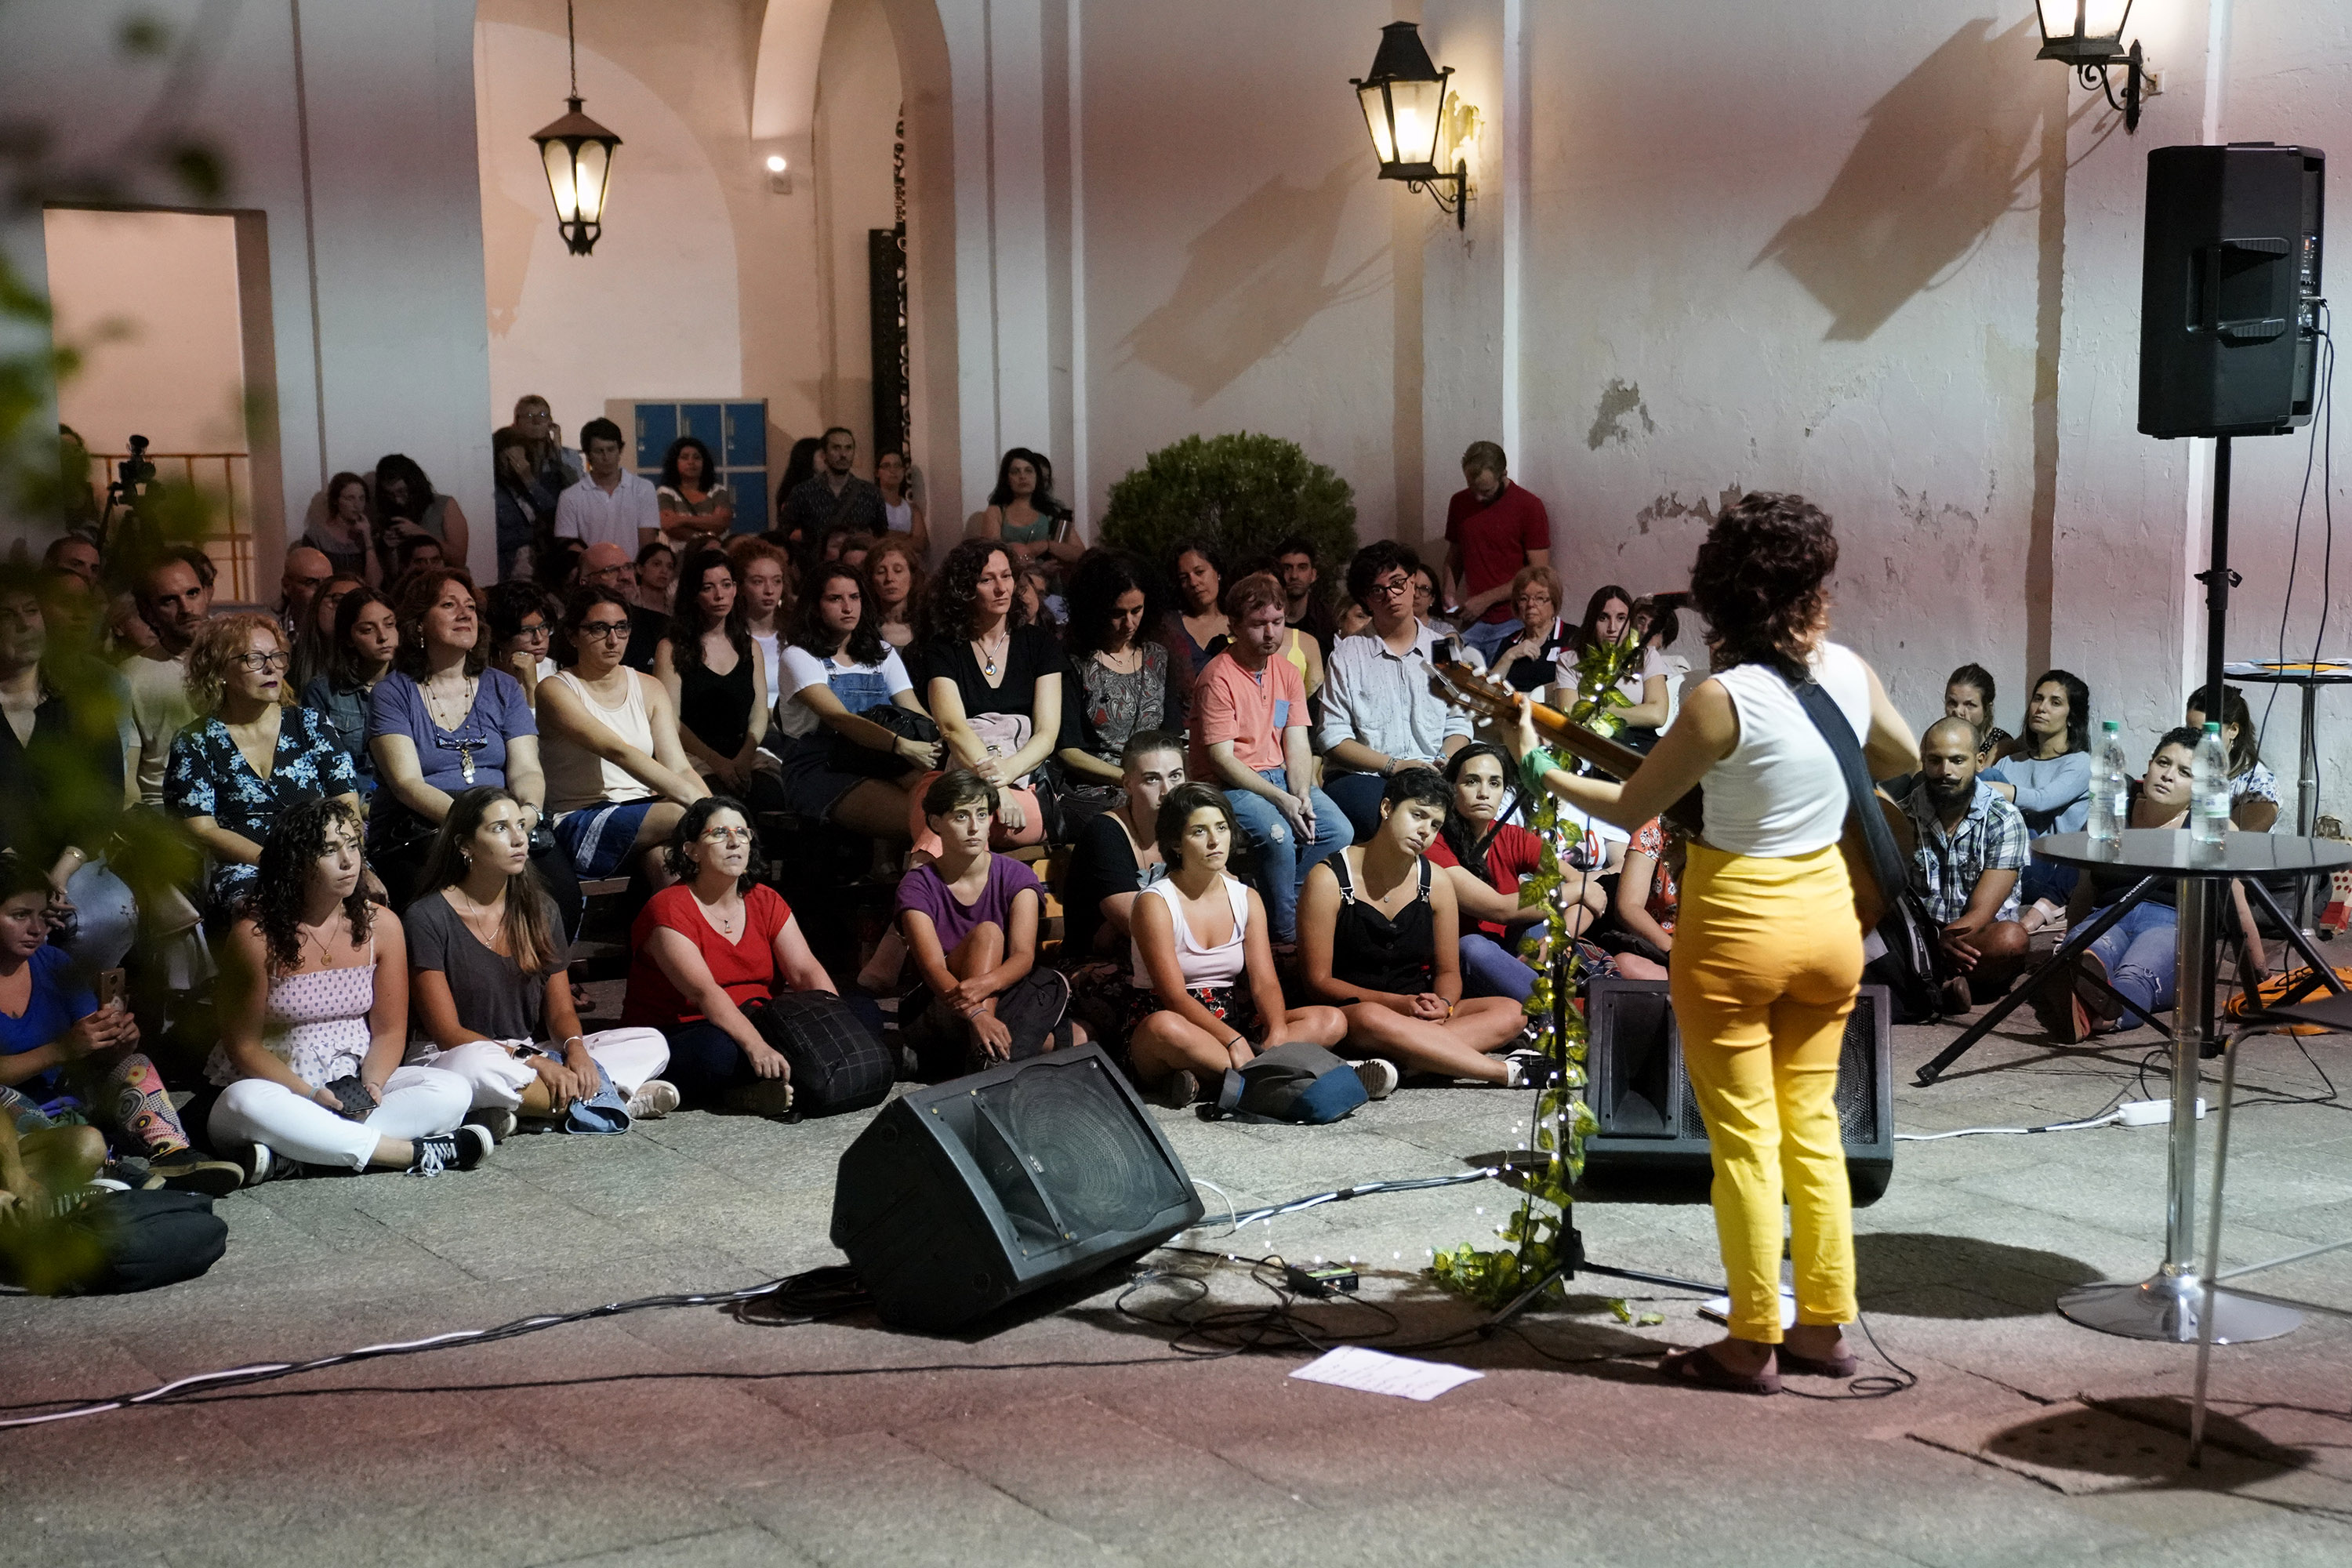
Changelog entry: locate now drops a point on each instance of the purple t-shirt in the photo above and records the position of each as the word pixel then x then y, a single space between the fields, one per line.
pixel 924 890
pixel 501 712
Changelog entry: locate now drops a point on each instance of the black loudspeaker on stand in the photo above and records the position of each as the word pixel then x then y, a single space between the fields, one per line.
pixel 961 1196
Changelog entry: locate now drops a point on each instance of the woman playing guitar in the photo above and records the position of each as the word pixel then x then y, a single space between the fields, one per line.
pixel 1767 950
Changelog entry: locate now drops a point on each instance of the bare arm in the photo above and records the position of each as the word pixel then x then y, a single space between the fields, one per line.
pixel 955 727
pixel 525 780
pixel 244 999
pixel 797 964
pixel 1651 711
pixel 665 772
pixel 830 712
pixel 681 964
pixel 456 532
pixel 1155 939
pixel 388 1016
pixel 398 770
pixel 1445 963
pixel 1045 726
pixel 233 848
pixel 1633 886
pixel 1701 737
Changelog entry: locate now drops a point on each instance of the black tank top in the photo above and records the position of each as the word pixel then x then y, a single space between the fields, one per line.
pixel 1369 949
pixel 717 708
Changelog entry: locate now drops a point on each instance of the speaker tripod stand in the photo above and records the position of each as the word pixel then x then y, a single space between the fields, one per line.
pixel 1572 1261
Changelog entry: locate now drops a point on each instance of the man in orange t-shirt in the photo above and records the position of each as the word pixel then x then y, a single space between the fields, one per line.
pixel 1249 738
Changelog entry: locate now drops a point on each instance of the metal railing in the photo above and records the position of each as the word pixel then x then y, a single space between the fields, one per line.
pixel 227 477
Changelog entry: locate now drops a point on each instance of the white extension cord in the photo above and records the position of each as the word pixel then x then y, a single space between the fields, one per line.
pixel 2130 1113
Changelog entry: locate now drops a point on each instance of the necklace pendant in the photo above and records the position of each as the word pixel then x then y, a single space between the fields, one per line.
pixel 465 766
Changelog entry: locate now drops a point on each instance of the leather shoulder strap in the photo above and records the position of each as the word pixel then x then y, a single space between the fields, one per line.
pixel 1886 858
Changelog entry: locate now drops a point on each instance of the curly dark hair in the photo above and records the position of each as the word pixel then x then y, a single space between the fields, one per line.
pixel 809 631
pixel 510 603
pixel 1761 581
pixel 1468 842
pixel 669 477
pixel 1100 579
pixel 297 842
pixel 955 592
pixel 1375 561
pixel 689 831
pixel 418 594
pixel 685 627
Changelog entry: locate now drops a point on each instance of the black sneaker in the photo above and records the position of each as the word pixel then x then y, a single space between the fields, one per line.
pixel 1529 1069
pixel 459 1150
pixel 261 1163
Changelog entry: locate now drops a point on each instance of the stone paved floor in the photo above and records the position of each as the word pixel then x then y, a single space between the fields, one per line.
pixel 687 1437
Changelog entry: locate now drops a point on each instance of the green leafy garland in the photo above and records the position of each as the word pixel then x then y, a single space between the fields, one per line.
pixel 1493 1275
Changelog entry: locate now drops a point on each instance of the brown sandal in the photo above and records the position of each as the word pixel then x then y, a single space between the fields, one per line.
pixel 1842 1366
pixel 1699 1368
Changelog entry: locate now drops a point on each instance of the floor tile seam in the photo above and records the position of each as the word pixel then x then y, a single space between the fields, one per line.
pixel 778 1543
pixel 1024 1504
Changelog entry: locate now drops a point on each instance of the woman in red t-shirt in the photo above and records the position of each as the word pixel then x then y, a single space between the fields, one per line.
pixel 1487 857
pixel 706 947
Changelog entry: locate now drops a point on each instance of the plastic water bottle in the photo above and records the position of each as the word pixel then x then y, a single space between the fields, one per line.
pixel 2209 789
pixel 2110 786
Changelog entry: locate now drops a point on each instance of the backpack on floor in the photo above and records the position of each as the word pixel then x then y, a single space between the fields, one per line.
pixel 1297 1082
pixel 115 1242
pixel 1908 966
pixel 837 1064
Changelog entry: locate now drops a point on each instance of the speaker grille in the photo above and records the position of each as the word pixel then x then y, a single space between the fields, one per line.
pixel 1100 1173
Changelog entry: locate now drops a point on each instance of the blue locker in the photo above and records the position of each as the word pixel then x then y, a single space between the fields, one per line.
pixel 657 425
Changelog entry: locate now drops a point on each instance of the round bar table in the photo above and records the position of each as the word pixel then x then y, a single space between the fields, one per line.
pixel 2165 1305
pixel 2310 677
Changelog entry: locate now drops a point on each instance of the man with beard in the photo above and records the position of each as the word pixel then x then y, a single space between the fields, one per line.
pixel 1972 845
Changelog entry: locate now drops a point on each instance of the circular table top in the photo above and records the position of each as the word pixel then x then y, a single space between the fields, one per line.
pixel 2326 672
pixel 2170 852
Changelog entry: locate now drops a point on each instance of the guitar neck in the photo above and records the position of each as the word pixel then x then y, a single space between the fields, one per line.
pixel 1611 758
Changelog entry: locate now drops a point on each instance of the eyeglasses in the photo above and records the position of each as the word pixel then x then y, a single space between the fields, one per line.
pixel 259 662
pixel 607 631
pixel 1390 587
pixel 727 836
pixel 532 634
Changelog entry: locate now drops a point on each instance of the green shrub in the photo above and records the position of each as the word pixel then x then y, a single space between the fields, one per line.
pixel 1246 492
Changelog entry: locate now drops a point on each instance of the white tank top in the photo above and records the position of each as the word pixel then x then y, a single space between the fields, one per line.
pixel 1217 966
pixel 900 516
pixel 1779 793
pixel 578 777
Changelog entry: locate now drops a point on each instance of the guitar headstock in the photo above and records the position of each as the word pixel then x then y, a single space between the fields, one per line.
pixel 1464 688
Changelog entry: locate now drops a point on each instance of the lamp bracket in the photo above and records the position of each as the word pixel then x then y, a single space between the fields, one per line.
pixel 1430 178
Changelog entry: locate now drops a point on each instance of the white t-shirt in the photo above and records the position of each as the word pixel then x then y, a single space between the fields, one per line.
pixel 803 669
pixel 771 647
pixel 1780 793
pixel 584 512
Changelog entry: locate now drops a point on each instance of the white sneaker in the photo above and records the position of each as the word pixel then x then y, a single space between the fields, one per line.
pixel 655 1099
pixel 1379 1076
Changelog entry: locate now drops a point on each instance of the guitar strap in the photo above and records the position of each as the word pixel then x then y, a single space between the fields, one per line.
pixel 1885 857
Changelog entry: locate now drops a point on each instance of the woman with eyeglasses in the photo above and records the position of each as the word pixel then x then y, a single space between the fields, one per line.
pixel 521 632
pixel 618 779
pixel 446 720
pixel 248 753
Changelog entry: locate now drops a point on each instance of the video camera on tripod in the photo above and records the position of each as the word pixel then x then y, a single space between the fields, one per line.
pixel 127 494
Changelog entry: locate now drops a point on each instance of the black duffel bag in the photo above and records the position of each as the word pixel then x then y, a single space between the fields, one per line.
pixel 115 1242
pixel 849 757
pixel 837 1064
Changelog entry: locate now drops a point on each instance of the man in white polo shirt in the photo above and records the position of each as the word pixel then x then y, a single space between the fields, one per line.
pixel 612 505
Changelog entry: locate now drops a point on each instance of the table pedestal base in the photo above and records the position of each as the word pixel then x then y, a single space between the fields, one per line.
pixel 2164 1307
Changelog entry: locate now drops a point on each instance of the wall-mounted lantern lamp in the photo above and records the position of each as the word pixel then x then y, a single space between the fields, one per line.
pixel 1403 100
pixel 577 154
pixel 2088 35
pixel 780 173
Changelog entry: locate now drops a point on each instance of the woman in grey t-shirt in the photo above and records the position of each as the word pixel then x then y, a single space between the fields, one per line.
pixel 492 1000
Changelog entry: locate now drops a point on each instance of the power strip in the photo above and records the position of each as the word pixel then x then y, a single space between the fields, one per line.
pixel 2152 1112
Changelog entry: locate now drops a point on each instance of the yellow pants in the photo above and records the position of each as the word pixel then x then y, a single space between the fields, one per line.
pixel 1767 956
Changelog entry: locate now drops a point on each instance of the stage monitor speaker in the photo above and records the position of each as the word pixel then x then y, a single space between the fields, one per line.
pixel 2228 326
pixel 1648 1124
pixel 961 1196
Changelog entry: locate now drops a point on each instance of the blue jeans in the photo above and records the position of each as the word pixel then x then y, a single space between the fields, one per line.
pixel 1489 969
pixel 2046 879
pixel 1359 795
pixel 1282 862
pixel 2141 953
pixel 1489 636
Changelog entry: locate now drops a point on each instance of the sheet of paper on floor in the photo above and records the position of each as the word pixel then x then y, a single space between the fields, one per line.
pixel 1376 1371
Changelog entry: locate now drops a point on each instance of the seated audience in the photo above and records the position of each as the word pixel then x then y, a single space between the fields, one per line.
pixel 611 504
pixel 174 598
pixel 344 533
pixel 1303 607
pixel 64 1056
pixel 443 721
pixel 2253 788
pixel 2138 955
pixel 831 497
pixel 407 508
pixel 1657 622
pixel 902 513
pixel 617 778
pixel 314 1020
pixel 608 566
pixel 712 673
pixel 521 635
pixel 1249 736
pixel 653 585
pixel 1968 694
pixel 762 593
pixel 2047 774
pixel 994 683
pixel 487 977
pixel 854 548
pixel 75 553
pixel 712 943
pixel 1118 851
pixel 969 921
pixel 1196 631
pixel 800 466
pixel 1608 622
pixel 894 569
pixel 1971 849
pixel 248 753
pixel 694 507
pixel 523 502
pixel 1206 997
pixel 313 638
pixel 1022 514
pixel 359 656
pixel 836 671
pixel 1123 682
pixel 1531 661
pixel 1486 855
pixel 1039 603
pixel 1353 621
pixel 307 571
pixel 414 554
pixel 1379 938
pixel 1380 715
pixel 1641 936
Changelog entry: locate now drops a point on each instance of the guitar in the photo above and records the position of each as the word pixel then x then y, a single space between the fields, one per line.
pixel 1463 688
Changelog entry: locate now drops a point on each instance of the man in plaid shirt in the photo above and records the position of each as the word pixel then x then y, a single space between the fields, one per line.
pixel 1972 845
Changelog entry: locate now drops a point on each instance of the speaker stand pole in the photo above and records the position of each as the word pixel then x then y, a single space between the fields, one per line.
pixel 2218 581
pixel 1571 1240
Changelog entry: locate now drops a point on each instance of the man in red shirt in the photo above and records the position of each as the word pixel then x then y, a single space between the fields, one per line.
pixel 1492 529
pixel 1249 738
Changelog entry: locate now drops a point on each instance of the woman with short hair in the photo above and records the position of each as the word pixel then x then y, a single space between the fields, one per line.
pixel 522 634
pixel 1531 660
pixel 618 779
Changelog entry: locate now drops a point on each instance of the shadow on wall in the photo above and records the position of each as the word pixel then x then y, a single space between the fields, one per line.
pixel 1943 158
pixel 1255 280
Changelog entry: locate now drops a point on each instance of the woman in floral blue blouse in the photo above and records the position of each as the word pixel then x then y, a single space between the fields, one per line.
pixel 248 753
